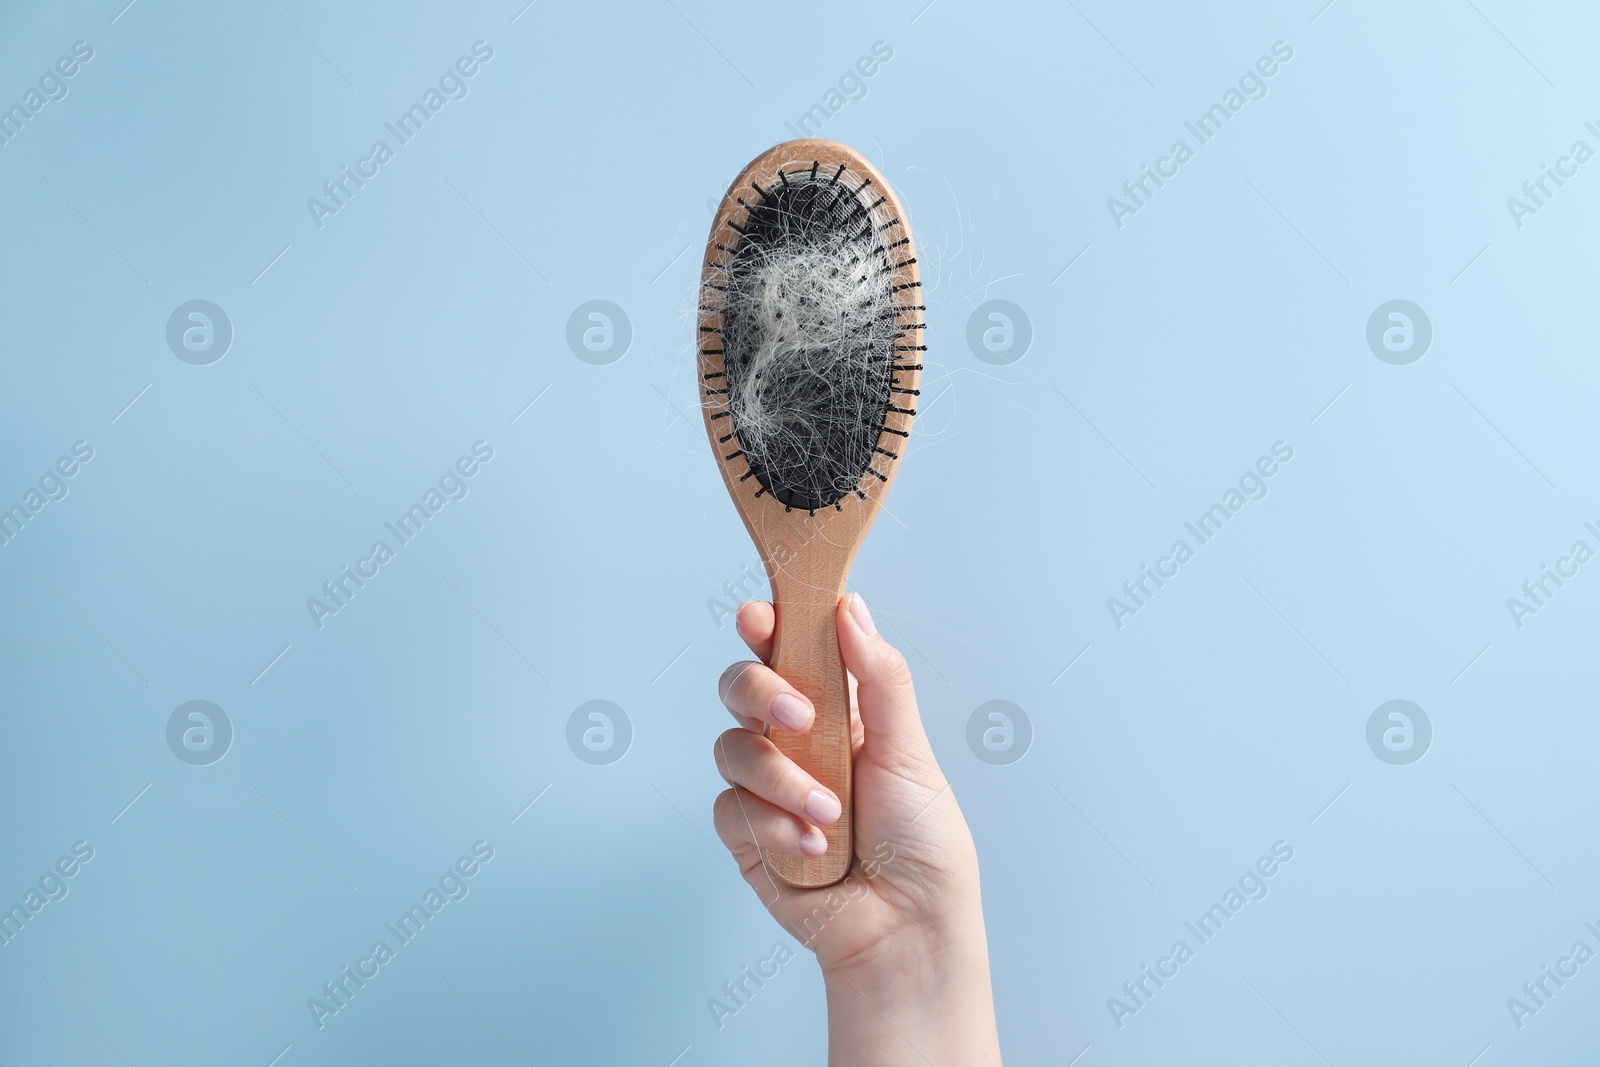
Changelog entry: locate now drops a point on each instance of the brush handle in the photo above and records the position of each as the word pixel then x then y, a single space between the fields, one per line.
pixel 805 653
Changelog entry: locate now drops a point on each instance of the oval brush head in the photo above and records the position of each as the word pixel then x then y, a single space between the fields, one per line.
pixel 810 356
pixel 808 333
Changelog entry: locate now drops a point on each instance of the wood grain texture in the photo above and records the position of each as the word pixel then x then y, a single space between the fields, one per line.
pixel 808 554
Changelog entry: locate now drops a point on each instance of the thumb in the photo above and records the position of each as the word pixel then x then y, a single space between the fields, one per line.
pixel 885 698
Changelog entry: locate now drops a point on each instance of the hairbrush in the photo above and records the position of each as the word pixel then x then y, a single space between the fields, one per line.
pixel 810 341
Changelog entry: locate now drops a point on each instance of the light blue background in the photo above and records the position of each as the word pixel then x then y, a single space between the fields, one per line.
pixel 1225 716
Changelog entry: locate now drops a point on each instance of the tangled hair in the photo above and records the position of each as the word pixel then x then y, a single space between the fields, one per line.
pixel 809 332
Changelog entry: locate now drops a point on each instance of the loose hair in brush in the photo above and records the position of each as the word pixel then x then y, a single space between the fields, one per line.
pixel 810 327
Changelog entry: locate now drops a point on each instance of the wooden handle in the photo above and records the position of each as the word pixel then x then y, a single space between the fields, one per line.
pixel 805 653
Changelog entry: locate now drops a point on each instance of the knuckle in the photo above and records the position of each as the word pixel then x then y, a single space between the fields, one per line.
pixel 736 682
pixel 722 807
pixel 791 781
pixel 893 668
pixel 729 679
pixel 781 780
pixel 731 748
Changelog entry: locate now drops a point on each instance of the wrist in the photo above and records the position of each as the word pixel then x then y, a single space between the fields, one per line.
pixel 920 996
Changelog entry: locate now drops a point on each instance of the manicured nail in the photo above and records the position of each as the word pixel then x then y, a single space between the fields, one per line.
pixel 790 712
pixel 863 617
pixel 822 807
pixel 813 843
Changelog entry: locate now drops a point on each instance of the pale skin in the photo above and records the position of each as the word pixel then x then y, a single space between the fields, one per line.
pixel 901 941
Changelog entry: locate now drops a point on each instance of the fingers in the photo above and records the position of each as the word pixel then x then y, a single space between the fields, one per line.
pixel 884 700
pixel 773 803
pixel 884 695
pixel 757 696
pixel 744 819
pixel 754 763
pixel 755 623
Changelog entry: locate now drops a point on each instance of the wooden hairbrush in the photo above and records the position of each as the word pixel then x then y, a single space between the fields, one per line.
pixel 810 340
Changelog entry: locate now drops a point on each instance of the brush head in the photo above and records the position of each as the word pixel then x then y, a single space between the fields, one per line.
pixel 813 294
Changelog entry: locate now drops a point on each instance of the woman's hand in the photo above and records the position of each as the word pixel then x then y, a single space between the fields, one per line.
pixel 901 939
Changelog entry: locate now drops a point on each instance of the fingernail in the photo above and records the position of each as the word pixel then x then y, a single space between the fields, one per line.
pixel 813 843
pixel 863 617
pixel 822 807
pixel 790 712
